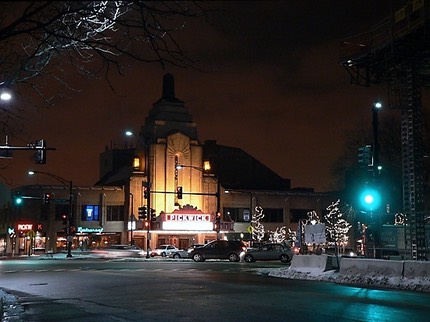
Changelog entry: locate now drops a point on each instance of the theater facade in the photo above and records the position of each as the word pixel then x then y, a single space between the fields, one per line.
pixel 166 188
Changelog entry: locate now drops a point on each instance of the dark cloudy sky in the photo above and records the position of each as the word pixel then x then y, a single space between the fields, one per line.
pixel 270 84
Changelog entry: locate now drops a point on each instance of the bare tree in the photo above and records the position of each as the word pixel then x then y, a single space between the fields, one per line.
pixel 41 41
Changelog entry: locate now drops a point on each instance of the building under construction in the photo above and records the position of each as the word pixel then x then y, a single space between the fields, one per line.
pixel 396 52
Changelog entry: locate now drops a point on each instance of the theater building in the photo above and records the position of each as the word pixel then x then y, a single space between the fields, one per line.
pixel 187 182
pixel 181 183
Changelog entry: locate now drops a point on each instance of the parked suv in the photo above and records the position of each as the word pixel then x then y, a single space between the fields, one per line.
pixel 219 249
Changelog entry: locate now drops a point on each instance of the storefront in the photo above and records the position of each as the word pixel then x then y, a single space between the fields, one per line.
pixel 92 238
pixel 182 228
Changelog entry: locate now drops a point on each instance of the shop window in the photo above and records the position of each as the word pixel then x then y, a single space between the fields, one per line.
pixel 273 215
pixel 115 213
pixel 237 214
pixel 299 214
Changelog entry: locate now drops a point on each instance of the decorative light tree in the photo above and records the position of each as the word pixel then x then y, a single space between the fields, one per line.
pixel 292 236
pixel 258 228
pixel 399 219
pixel 279 235
pixel 337 227
pixel 313 218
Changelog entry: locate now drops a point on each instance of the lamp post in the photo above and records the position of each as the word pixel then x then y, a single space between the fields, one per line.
pixel 375 126
pixel 376 170
pixel 68 184
pixel 132 219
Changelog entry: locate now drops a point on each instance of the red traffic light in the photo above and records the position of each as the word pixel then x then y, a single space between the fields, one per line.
pixel 47 198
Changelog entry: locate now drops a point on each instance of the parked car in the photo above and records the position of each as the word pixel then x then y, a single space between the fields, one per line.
pixel 116 250
pixel 218 249
pixel 268 252
pixel 164 250
pixel 180 253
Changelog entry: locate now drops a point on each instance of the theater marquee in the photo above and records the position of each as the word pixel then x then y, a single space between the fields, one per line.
pixel 184 221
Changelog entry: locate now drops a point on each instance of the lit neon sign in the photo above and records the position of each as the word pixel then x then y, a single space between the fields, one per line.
pixel 25 227
pixel 187 222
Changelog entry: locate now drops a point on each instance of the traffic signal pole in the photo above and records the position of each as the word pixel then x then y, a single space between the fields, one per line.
pixel 39 146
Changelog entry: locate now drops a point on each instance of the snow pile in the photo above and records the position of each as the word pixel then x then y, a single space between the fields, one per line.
pixel 10 309
pixel 412 275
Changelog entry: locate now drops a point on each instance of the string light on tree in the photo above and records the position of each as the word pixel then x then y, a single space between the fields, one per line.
pixel 337 227
pixel 279 235
pixel 258 228
pixel 399 219
pixel 313 218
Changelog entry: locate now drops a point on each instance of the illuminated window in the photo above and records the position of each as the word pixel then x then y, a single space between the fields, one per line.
pixel 206 165
pixel 90 213
pixel 136 163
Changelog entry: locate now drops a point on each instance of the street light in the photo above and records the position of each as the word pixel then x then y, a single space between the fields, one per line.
pixel 373 198
pixel 5 93
pixel 375 124
pixel 68 184
pixel 132 222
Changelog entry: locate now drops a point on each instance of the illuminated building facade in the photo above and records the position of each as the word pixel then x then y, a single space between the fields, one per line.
pixel 187 183
pixel 169 188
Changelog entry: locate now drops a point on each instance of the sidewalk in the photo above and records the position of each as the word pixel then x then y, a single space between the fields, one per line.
pixel 75 253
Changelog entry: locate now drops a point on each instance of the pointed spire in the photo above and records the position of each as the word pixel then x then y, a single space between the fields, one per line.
pixel 168 87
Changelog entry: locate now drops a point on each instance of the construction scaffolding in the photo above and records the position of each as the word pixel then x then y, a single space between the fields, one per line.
pixel 396 52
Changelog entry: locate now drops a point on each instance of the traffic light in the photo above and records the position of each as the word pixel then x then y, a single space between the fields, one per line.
pixel 145 192
pixel 17 198
pixel 47 196
pixel 65 219
pixel 41 152
pixel 365 156
pixel 179 192
pixel 153 215
pixel 370 198
pixel 142 213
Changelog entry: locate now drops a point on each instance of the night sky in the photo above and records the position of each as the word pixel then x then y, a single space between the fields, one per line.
pixel 269 83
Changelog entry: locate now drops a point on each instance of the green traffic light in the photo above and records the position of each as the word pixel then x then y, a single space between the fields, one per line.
pixel 18 200
pixel 370 199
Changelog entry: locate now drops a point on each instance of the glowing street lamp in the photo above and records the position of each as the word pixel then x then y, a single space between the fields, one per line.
pixel 5 93
pixel 5 96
